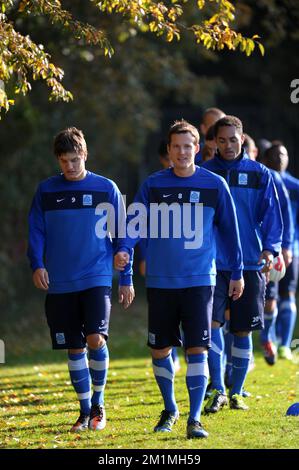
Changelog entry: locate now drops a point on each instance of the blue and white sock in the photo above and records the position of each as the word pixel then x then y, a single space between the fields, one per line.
pixel 269 321
pixel 98 366
pixel 197 380
pixel 286 319
pixel 215 361
pixel 80 377
pixel 241 354
pixel 228 342
pixel 164 374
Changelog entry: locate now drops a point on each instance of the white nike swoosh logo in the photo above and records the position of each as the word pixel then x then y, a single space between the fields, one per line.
pixel 194 388
pixel 59 200
pixel 204 339
pixel 79 380
pixel 166 195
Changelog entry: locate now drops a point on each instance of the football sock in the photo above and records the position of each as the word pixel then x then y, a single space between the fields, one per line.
pixel 164 374
pixel 197 380
pixel 269 321
pixel 228 342
pixel 98 366
pixel 80 378
pixel 241 354
pixel 287 319
pixel 215 360
pixel 174 354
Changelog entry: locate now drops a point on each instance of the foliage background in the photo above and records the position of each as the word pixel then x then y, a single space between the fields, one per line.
pixel 124 106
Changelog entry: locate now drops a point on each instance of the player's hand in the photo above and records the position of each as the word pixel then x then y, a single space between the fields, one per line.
pixel 236 288
pixel 121 260
pixel 41 279
pixel 266 259
pixel 142 267
pixel 287 256
pixel 126 295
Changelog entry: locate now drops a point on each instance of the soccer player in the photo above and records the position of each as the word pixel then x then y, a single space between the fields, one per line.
pixel 181 268
pixel 209 117
pixel 166 163
pixel 250 147
pixel 287 309
pixel 271 160
pixel 260 225
pixel 209 149
pixel 74 266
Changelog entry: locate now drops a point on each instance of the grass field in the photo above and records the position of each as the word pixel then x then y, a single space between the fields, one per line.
pixel 38 404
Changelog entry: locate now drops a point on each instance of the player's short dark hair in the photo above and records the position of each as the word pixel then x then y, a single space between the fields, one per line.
pixel 269 157
pixel 228 121
pixel 182 127
pixel 70 140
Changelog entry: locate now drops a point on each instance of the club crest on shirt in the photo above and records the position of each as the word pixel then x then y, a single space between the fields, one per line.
pixel 243 179
pixel 194 196
pixel 87 199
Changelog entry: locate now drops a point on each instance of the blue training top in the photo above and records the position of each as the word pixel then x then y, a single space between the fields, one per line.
pixel 286 211
pixel 62 233
pixel 169 263
pixel 292 185
pixel 257 205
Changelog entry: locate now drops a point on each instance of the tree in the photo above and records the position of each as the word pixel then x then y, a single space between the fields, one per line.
pixel 23 59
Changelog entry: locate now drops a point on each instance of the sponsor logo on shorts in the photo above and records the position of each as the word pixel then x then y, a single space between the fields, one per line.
pixel 152 338
pixel 60 338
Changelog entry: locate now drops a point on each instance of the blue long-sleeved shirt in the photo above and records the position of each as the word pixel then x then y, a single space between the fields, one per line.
pixel 257 205
pixel 292 185
pixel 169 262
pixel 64 233
pixel 286 211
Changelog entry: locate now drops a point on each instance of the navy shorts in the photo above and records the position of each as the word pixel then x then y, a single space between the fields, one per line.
pixel 246 313
pixel 290 281
pixel 74 315
pixel 272 291
pixel 190 308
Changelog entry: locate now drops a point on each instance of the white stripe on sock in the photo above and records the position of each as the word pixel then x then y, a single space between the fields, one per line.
pixel 84 396
pixel 78 365
pixel 241 353
pixel 215 348
pixel 199 368
pixel 163 372
pixel 98 388
pixel 98 365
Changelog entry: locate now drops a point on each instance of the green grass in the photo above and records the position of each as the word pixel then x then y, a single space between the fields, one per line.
pixel 38 404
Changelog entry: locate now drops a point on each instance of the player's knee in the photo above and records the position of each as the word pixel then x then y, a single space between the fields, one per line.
pixel 216 324
pixel 242 334
pixel 270 305
pixel 197 350
pixel 76 351
pixel 95 341
pixel 160 353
